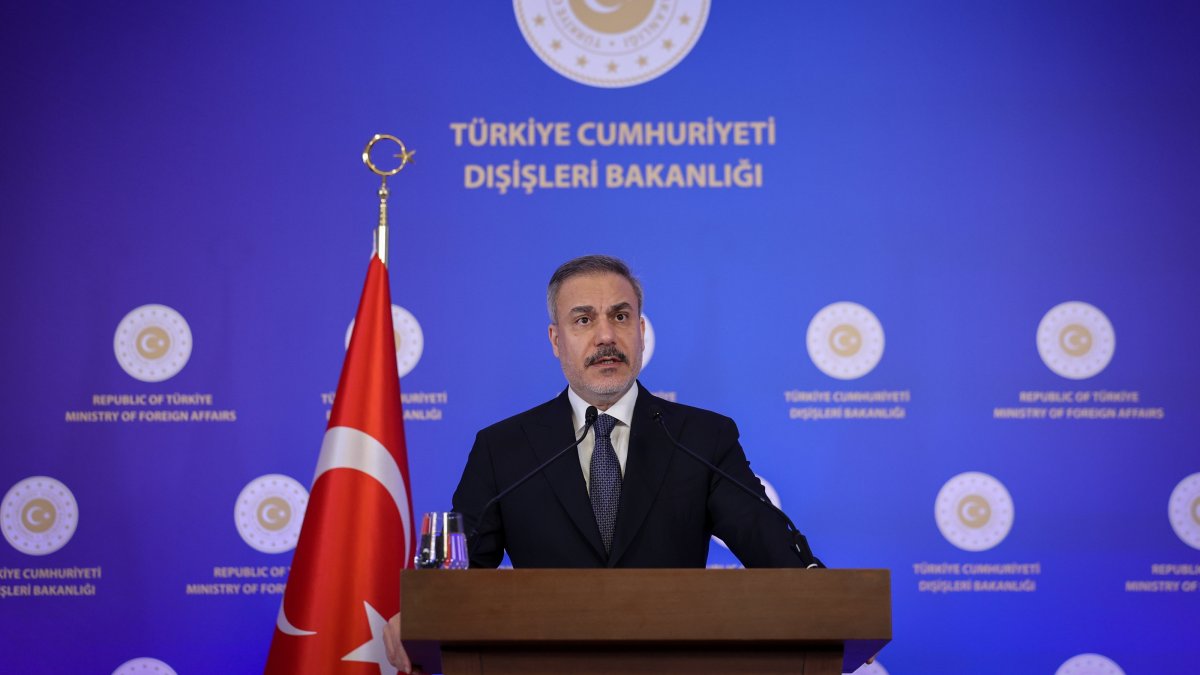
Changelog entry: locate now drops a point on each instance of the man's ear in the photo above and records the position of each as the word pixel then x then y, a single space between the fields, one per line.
pixel 553 334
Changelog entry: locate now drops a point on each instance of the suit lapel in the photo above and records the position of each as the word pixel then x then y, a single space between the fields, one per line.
pixel 549 432
pixel 645 468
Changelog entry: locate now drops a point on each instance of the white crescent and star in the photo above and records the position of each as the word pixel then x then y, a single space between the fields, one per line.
pixel 602 9
pixel 271 514
pixel 373 650
pixel 37 517
pixel 973 511
pixel 349 448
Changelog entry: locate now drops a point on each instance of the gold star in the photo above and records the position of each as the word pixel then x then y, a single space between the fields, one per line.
pixel 539 20
pixel 555 45
pixel 581 61
pixel 667 44
pixel 685 19
pixel 612 66
pixel 642 61
pixel 405 156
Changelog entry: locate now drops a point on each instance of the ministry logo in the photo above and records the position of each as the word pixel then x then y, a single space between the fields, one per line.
pixel 144 665
pixel 410 339
pixel 1076 340
pixel 974 511
pixel 1089 664
pixel 845 340
pixel 649 342
pixel 269 512
pixel 611 43
pixel 153 343
pixel 39 515
pixel 1184 510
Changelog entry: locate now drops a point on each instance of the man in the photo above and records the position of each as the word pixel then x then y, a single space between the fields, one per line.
pixel 667 505
pixel 627 497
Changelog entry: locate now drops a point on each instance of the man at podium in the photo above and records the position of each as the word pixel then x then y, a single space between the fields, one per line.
pixel 601 475
pixel 627 496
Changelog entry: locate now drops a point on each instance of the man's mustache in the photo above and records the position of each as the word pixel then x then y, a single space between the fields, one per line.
pixel 606 353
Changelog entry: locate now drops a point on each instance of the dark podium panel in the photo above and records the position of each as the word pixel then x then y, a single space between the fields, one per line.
pixel 652 621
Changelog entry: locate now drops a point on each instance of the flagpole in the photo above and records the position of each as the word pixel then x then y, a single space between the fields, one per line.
pixel 405 156
pixel 344 582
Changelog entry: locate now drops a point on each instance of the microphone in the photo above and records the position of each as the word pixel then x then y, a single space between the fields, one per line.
pixel 799 542
pixel 589 420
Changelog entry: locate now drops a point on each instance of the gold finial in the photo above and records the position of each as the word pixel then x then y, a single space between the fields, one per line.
pixel 406 157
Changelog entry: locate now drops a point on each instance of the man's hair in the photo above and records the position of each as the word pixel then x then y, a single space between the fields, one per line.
pixel 589 264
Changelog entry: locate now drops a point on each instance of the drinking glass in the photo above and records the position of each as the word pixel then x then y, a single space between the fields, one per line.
pixel 443 542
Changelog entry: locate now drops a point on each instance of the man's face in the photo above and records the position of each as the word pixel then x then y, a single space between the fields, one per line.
pixel 597 336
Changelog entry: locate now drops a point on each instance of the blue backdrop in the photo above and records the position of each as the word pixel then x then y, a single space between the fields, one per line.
pixel 1028 470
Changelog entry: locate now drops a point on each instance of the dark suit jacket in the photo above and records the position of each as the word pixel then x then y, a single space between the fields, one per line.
pixel 670 503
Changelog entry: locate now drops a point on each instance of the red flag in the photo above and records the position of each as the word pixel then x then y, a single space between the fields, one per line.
pixel 357 534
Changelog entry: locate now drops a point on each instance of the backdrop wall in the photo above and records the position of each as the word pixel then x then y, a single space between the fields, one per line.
pixel 936 259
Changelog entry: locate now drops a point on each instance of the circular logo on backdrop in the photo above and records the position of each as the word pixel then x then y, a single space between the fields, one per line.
pixel 39 515
pixel 649 342
pixel 974 511
pixel 1089 664
pixel 269 511
pixel 1076 340
pixel 144 665
pixel 611 43
pixel 153 343
pixel 410 341
pixel 1184 510
pixel 845 340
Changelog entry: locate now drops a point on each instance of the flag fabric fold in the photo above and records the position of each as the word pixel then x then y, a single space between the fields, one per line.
pixel 357 534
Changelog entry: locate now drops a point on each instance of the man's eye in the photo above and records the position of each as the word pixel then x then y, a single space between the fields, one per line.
pixel 621 316
pixel 583 321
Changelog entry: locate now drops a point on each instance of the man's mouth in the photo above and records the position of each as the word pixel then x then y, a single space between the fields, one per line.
pixel 606 357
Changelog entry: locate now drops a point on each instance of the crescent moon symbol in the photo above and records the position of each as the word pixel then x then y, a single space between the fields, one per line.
pixel 1076 340
pixel 349 448
pixel 601 9
pixel 286 627
pixel 36 517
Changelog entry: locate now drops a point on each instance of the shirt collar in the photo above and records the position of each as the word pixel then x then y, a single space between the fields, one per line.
pixel 622 409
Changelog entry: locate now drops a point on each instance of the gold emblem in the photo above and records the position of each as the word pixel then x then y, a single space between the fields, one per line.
pixel 612 16
pixel 845 340
pixel 1075 339
pixel 974 511
pixel 274 513
pixel 269 513
pixel 405 155
pixel 38 515
pixel 611 43
pixel 153 343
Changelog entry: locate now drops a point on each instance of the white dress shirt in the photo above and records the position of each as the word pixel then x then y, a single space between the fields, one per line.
pixel 622 410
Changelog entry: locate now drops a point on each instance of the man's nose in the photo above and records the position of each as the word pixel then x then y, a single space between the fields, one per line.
pixel 605 332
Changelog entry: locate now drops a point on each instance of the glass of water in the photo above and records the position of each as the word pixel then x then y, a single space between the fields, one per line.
pixel 443 542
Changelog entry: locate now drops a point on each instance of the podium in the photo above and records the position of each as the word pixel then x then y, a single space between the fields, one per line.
pixel 651 621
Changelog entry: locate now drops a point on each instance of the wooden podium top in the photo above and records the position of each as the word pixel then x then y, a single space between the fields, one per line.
pixel 648 607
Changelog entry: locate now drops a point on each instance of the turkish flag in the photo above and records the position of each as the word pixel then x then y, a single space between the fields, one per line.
pixel 357 534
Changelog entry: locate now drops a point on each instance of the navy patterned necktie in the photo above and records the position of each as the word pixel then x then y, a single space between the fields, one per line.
pixel 604 480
